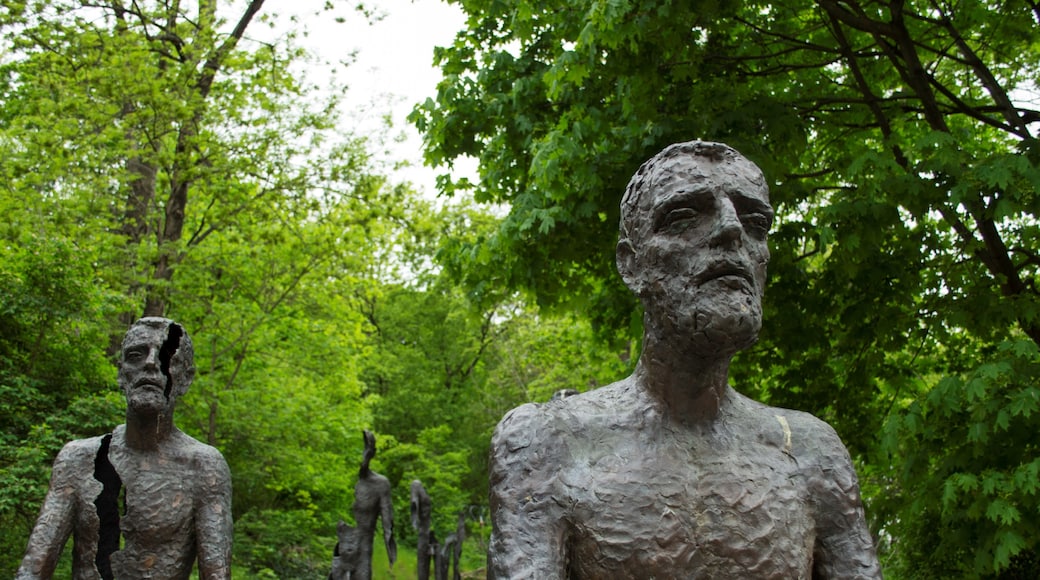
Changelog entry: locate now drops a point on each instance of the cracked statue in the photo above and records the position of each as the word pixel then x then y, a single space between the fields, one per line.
pixel 146 500
pixel 671 473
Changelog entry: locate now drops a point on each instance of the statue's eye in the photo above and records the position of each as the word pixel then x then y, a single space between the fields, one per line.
pixel 757 222
pixel 679 217
pixel 133 354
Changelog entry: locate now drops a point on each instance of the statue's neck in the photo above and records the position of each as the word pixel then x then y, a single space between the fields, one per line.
pixel 688 387
pixel 148 432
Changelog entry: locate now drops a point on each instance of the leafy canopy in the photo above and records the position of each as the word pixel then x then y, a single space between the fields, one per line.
pixel 900 147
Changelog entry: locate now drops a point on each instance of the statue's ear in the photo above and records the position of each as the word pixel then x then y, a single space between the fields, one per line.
pixel 626 257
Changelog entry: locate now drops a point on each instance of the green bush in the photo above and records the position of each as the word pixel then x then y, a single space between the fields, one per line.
pixel 284 544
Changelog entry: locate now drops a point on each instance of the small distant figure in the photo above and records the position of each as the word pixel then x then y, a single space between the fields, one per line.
pixel 145 501
pixel 346 556
pixel 352 559
pixel 452 550
pixel 422 509
pixel 563 394
pixel 443 555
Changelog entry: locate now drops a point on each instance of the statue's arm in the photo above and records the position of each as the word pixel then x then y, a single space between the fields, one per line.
pixel 213 524
pixel 386 508
pixel 56 520
pixel 844 546
pixel 528 526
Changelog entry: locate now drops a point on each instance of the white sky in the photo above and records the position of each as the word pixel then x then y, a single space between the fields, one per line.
pixel 393 67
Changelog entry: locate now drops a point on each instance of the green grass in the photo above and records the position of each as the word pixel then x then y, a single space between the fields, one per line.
pixel 473 558
pixel 404 568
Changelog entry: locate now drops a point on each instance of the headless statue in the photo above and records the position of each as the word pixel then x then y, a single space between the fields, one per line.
pixel 352 559
pixel 421 509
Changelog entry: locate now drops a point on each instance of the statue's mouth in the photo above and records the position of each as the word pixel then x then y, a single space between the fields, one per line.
pixel 148 384
pixel 726 272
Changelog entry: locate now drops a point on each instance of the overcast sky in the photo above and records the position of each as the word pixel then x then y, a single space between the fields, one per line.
pixel 393 69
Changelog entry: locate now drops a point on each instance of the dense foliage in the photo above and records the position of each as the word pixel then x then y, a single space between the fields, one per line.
pixel 157 159
pixel 899 139
pixel 152 164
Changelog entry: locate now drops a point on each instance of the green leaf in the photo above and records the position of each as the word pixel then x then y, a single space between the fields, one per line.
pixel 1025 402
pixel 1008 545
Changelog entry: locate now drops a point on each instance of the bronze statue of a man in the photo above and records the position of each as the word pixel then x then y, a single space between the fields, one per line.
pixel 146 500
pixel 670 473
pixel 352 559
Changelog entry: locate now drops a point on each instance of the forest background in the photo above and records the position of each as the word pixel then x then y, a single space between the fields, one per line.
pixel 156 159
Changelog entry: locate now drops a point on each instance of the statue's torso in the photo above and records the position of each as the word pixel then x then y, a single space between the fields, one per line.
pixel 156 508
pixel 158 526
pixel 646 505
pixel 614 484
pixel 646 498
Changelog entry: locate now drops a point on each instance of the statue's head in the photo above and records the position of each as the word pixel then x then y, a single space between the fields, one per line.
pixel 369 452
pixel 693 245
pixel 419 505
pixel 157 365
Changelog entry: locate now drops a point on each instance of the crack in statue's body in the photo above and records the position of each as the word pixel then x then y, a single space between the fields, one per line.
pixel 176 491
pixel 107 505
pixel 670 473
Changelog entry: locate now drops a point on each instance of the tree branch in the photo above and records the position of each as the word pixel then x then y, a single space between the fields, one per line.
pixel 989 81
pixel 212 65
pixel 872 101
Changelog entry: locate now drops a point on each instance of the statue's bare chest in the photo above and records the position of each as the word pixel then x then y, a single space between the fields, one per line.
pixel 159 499
pixel 643 511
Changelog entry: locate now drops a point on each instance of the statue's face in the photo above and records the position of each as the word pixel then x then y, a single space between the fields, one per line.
pixel 699 253
pixel 141 374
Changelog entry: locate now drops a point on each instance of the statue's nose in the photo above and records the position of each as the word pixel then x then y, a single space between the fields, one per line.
pixel 728 229
pixel 151 360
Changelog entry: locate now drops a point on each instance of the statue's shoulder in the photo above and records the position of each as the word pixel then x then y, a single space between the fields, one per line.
pixel 80 451
pixel 519 428
pixel 87 446
pixel 812 430
pixel 75 462
pixel 803 435
pixel 533 442
pixel 206 457
pixel 552 423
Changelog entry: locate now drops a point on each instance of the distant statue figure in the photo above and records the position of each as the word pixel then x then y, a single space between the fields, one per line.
pixel 451 551
pixel 346 557
pixel 442 558
pixel 372 501
pixel 421 509
pixel 443 555
pixel 145 501
pixel 670 473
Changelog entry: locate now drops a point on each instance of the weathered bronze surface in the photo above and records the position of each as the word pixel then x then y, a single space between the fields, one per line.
pixel 670 473
pixel 422 509
pixel 165 496
pixel 353 555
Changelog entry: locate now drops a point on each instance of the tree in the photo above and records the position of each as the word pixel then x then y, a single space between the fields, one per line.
pixel 162 124
pixel 156 160
pixel 899 145
pixel 444 363
pixel 51 313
